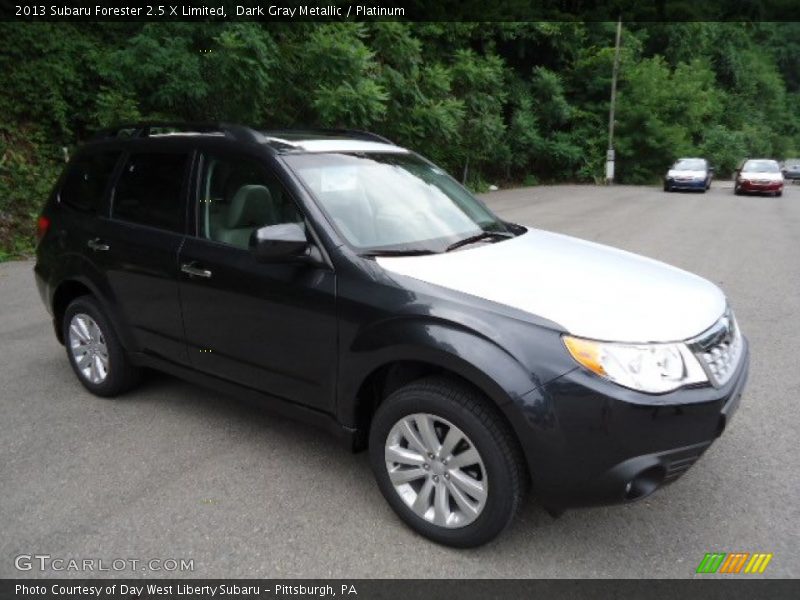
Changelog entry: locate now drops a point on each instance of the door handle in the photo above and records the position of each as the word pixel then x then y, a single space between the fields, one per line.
pixel 193 271
pixel 98 245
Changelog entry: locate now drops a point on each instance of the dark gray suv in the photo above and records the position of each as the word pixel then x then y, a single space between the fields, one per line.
pixel 346 281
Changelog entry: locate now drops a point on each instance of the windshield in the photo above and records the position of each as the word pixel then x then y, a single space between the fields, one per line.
pixel 690 164
pixel 393 201
pixel 761 166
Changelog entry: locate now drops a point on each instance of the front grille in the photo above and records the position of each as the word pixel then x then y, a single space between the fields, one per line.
pixel 719 350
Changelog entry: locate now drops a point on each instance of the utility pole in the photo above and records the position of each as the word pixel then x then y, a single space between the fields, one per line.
pixel 610 152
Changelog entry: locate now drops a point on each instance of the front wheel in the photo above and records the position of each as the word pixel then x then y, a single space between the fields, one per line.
pixel 447 462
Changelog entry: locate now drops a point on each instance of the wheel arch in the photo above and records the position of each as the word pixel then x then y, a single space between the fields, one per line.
pixel 388 378
pixel 64 294
pixel 70 288
pixel 414 350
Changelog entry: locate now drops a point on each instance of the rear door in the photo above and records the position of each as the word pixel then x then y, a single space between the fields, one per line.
pixel 271 327
pixel 80 201
pixel 137 245
pixel 72 211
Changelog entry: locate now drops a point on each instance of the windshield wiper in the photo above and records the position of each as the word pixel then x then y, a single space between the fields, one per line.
pixel 390 252
pixel 484 235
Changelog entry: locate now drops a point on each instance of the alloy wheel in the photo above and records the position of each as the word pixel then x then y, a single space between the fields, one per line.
pixel 88 346
pixel 437 470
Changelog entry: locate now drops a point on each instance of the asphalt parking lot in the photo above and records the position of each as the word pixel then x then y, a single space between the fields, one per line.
pixel 175 471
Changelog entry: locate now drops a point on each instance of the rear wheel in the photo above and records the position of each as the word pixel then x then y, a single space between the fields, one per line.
pixel 447 462
pixel 94 351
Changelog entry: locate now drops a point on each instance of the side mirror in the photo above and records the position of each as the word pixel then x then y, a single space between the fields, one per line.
pixel 275 243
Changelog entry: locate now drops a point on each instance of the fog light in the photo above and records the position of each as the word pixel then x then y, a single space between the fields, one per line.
pixel 645 483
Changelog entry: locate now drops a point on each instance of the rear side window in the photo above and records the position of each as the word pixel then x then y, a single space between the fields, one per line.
pixel 148 191
pixel 86 181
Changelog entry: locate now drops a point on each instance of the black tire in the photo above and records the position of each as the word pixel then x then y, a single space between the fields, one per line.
pixel 122 375
pixel 779 194
pixel 486 429
pixel 737 191
pixel 667 188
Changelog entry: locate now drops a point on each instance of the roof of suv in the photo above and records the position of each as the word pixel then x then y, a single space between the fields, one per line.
pixel 279 140
pixel 313 141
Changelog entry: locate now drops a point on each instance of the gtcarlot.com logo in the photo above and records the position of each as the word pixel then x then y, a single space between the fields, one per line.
pixel 734 563
pixel 46 562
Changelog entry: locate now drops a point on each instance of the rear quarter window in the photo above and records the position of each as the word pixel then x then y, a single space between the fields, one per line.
pixel 149 190
pixel 86 181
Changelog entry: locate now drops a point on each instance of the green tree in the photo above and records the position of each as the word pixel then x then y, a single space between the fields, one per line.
pixel 512 101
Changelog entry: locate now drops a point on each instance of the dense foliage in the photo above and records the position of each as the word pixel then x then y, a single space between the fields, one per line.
pixel 499 102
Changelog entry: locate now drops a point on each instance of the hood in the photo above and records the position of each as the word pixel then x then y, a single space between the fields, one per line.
pixel 764 176
pixel 591 290
pixel 674 173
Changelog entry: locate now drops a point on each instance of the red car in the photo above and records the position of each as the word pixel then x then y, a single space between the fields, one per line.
pixel 759 175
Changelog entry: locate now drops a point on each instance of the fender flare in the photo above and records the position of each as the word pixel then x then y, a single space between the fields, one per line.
pixel 437 342
pixel 76 268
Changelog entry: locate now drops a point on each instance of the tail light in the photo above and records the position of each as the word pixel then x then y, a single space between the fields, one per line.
pixel 42 225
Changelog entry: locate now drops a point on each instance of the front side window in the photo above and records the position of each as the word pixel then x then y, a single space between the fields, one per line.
pixel 393 201
pixel 149 190
pixel 86 181
pixel 237 196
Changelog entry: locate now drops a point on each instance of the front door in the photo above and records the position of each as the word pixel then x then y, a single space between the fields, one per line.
pixel 271 327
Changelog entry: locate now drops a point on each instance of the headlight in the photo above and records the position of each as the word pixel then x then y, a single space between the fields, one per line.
pixel 650 368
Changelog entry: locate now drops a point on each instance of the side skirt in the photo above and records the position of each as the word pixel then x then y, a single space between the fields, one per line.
pixel 273 404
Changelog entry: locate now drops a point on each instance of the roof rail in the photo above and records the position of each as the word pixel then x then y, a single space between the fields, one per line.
pixel 354 133
pixel 281 141
pixel 151 128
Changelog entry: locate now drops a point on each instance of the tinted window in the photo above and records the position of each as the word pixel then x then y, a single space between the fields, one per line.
pixel 86 181
pixel 237 196
pixel 149 190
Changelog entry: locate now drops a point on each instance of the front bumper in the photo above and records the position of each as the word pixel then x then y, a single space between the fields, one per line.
pixel 689 184
pixel 750 186
pixel 589 442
